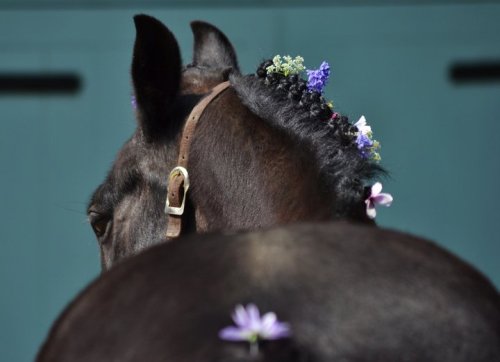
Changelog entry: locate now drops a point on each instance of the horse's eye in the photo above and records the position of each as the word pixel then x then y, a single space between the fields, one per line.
pixel 99 223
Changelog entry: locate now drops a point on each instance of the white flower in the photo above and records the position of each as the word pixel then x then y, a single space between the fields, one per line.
pixel 377 198
pixel 363 127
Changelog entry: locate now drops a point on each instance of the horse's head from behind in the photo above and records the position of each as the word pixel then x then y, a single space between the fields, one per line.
pixel 260 154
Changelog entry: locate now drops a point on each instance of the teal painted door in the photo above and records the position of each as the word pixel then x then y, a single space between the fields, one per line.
pixel 389 63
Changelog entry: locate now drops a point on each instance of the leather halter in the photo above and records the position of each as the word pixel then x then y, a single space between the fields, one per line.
pixel 178 181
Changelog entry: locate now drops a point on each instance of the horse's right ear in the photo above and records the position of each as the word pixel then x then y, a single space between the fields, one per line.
pixel 156 73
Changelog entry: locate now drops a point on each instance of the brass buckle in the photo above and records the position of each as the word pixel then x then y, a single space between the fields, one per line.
pixel 172 210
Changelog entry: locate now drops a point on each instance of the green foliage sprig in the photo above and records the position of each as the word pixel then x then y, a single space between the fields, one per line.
pixel 286 66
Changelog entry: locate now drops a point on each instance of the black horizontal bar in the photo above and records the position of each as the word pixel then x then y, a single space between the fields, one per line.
pixel 471 72
pixel 39 83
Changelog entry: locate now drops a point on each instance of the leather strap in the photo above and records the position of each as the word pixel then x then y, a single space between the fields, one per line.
pixel 178 182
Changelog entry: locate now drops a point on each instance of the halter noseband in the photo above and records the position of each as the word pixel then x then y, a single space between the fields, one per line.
pixel 178 181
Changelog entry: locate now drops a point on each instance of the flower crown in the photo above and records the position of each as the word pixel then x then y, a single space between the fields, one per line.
pixel 316 82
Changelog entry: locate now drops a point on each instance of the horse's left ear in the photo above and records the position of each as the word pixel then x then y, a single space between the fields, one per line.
pixel 156 73
pixel 212 48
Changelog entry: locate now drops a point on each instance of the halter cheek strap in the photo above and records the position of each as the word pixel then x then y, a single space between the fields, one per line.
pixel 178 181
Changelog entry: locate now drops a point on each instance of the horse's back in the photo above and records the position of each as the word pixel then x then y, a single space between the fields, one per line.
pixel 350 293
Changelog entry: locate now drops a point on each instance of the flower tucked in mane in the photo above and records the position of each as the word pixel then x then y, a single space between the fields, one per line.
pixel 251 327
pixel 133 101
pixel 377 197
pixel 366 144
pixel 318 78
pixel 288 67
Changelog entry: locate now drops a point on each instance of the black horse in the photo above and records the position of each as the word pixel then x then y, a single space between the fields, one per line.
pixel 262 154
pixel 349 292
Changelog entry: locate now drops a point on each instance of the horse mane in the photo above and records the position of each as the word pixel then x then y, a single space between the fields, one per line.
pixel 287 105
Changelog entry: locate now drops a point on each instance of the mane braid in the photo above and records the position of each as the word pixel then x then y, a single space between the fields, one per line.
pixel 286 104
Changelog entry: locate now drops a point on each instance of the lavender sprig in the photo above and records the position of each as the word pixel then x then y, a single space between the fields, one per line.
pixel 318 78
pixel 366 144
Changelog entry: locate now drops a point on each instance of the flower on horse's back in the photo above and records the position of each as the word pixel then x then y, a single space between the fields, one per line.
pixel 377 198
pixel 318 78
pixel 251 327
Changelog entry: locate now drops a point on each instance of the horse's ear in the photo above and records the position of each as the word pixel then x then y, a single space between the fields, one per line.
pixel 156 73
pixel 212 48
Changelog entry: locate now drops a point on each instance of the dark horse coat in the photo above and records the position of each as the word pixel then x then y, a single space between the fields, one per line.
pixel 349 292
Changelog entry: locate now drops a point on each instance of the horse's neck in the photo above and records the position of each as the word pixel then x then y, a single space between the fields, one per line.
pixel 249 175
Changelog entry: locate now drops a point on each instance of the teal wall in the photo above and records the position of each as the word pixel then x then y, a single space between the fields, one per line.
pixel 389 63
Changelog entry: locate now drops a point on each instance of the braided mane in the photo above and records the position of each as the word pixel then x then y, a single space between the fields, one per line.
pixel 287 104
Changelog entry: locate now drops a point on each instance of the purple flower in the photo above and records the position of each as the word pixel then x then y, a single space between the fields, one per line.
pixel 133 101
pixel 251 327
pixel 318 78
pixel 364 142
pixel 377 198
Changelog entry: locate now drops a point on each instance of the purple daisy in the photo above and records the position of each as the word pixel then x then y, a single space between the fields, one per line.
pixel 251 327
